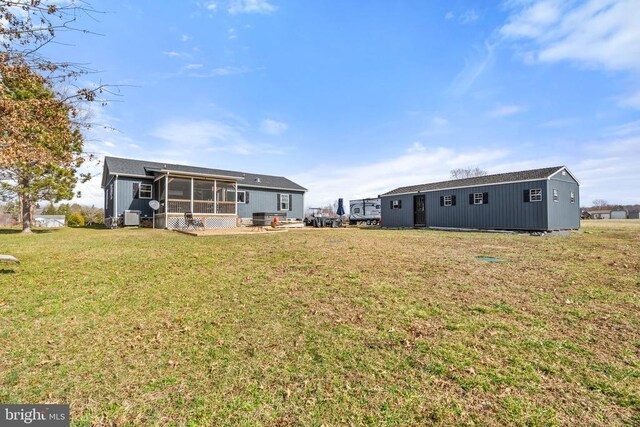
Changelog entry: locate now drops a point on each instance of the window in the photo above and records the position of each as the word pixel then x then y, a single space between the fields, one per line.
pixel 396 204
pixel 356 210
pixel 555 195
pixel 535 195
pixel 572 197
pixel 478 198
pixel 378 207
pixel 284 202
pixel 448 200
pixel 145 191
pixel 242 197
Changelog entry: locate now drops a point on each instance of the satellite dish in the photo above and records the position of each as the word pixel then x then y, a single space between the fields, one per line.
pixel 154 204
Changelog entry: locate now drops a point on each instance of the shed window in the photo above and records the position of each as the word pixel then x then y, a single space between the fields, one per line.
pixel 396 204
pixel 448 200
pixel 145 191
pixel 535 195
pixel 555 195
pixel 478 198
pixel 356 210
pixel 572 197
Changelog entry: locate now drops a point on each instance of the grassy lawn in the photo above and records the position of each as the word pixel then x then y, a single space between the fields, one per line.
pixel 333 327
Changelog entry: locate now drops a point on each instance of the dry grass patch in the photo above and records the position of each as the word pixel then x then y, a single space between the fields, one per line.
pixel 142 327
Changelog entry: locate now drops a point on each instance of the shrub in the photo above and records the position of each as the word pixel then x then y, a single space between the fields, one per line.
pixel 75 220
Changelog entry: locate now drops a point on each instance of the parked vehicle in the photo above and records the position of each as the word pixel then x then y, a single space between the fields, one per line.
pixel 366 211
pixel 317 217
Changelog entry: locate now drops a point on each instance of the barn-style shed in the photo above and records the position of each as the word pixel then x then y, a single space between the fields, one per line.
pixel 537 199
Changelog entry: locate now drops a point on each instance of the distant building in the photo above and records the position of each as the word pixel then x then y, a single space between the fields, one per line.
pixel 538 199
pixel 619 214
pixel 634 214
pixel 600 214
pixel 50 221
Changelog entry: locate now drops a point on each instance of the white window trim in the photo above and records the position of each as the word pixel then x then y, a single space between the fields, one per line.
pixel 538 196
pixel 282 202
pixel 478 198
pixel 448 201
pixel 396 204
pixel 572 197
pixel 244 196
pixel 555 195
pixel 140 184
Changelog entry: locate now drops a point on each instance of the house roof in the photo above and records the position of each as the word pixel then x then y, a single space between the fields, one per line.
pixel 500 178
pixel 143 168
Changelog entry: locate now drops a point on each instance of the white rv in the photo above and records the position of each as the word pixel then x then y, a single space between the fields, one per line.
pixel 364 210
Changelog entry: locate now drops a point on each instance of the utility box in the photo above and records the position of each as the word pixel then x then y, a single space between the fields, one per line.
pixel 265 218
pixel 132 218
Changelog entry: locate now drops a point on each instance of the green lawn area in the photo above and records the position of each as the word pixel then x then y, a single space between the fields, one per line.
pixel 324 327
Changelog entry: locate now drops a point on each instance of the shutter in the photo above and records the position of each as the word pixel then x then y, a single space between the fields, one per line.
pixel 453 200
pixel 136 189
pixel 278 201
pixel 290 202
pixel 485 198
pixel 441 200
pixel 525 196
pixel 399 204
pixel 246 196
pixel 391 204
pixel 470 198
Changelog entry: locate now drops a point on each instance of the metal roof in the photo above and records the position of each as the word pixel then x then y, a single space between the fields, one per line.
pixel 500 178
pixel 143 168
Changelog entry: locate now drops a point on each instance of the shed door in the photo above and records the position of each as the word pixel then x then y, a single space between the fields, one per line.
pixel 419 212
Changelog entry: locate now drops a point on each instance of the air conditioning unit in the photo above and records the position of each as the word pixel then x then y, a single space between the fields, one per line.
pixel 132 218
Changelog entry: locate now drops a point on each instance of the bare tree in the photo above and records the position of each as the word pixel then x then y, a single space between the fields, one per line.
pixel 467 172
pixel 600 203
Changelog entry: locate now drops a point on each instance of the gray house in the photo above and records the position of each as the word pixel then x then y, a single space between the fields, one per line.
pixel 539 199
pixel 217 196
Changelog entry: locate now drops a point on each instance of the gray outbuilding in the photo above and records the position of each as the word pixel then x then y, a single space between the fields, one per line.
pixel 532 200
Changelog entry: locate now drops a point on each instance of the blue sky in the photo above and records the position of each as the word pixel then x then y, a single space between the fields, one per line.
pixel 352 99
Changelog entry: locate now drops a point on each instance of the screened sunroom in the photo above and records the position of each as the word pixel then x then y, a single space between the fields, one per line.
pixel 212 199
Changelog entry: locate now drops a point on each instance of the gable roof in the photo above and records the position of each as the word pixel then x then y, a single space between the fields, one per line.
pixel 146 169
pixel 500 178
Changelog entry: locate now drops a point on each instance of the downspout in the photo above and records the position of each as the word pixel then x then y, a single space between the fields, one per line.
pixel 115 198
pixel 166 201
pixel 191 206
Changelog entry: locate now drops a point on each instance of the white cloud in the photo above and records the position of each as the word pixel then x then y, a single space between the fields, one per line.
pixel 186 38
pixel 632 100
pixel 472 70
pixel 251 6
pixel 222 71
pixel 419 164
pixel 211 5
pixel 173 54
pixel 109 144
pixel 449 16
pixel 602 33
pixel 468 16
pixel 232 34
pixel 192 66
pixel 211 136
pixel 559 123
pixel 505 110
pixel 273 127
